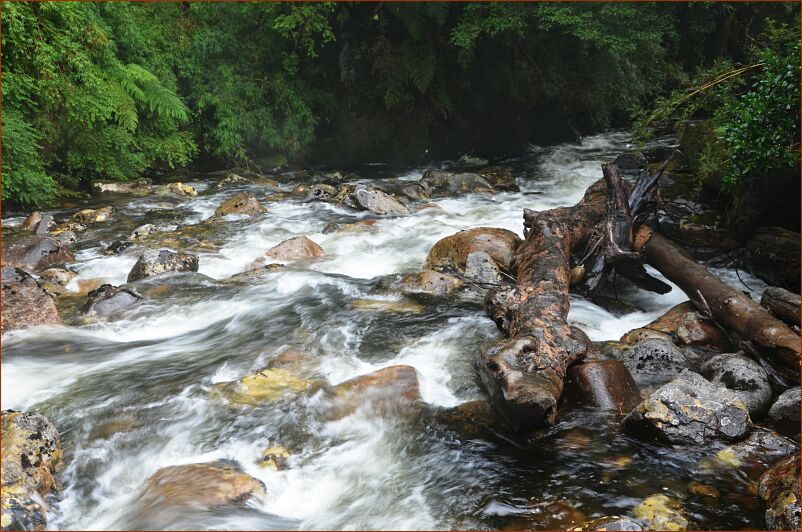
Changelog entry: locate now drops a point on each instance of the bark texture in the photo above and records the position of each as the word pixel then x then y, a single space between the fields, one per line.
pixel 782 303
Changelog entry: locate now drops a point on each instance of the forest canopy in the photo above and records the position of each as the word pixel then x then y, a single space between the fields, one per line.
pixel 117 90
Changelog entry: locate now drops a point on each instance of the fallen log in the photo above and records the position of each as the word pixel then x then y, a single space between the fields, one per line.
pixel 782 303
pixel 732 309
pixel 524 374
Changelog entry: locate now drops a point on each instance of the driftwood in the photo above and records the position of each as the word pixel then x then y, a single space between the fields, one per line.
pixel 524 374
pixel 732 309
pixel 782 303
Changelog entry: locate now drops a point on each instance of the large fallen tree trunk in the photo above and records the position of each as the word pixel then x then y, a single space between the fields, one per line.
pixel 524 373
pixel 732 309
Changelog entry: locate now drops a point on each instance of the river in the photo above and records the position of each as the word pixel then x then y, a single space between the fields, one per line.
pixel 132 395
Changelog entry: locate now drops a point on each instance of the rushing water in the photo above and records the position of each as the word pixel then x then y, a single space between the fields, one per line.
pixel 132 395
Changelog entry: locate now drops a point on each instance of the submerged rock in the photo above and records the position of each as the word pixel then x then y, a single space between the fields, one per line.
pixel 452 251
pixel 31 456
pixel 611 522
pixel 108 299
pixel 36 253
pixel 388 306
pixel 24 303
pixel 690 410
pixel 604 384
pixel 779 489
pixel 274 457
pixel 661 512
pixel 393 389
pixel 155 262
pixel 208 485
pixel 242 203
pixel 784 413
pixel 757 452
pixel 745 377
pixel 266 386
pixel 296 248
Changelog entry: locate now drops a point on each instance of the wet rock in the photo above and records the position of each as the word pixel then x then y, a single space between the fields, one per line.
pixel 417 191
pixel 500 178
pixel 44 225
pixel 58 276
pixel 476 419
pixel 452 251
pixel 32 221
pixel 441 183
pixel 429 282
pixel 91 216
pixel 611 522
pixel 779 489
pixel 654 359
pixel 232 180
pixel 276 196
pixel 117 247
pixel 24 303
pixel 393 389
pixel 690 410
pixel 31 456
pixel 368 225
pixel 138 186
pixel 784 413
pixel 468 161
pixel 274 457
pixel 669 322
pixel 757 452
pixel 65 238
pixel 388 306
pixel 604 384
pixel 632 161
pixel 378 202
pixel 265 386
pixel 242 203
pixel 296 248
pixel 773 254
pixel 661 512
pixel 745 377
pixel 155 262
pixel 36 253
pixel 144 230
pixel 179 189
pixel 696 330
pixel 208 485
pixel 480 268
pixel 108 299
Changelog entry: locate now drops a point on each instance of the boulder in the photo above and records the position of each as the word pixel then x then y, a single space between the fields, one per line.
pixel 108 299
pixel 690 410
pixel 654 360
pixel 242 203
pixel 440 183
pixel 784 413
pixel 31 221
pixel 138 186
pixel 773 254
pixel 429 282
pixel 233 180
pixel 696 330
pixel 35 253
pixel 31 457
pixel 660 512
pixel 779 489
pixel 378 202
pixel 500 178
pixel 745 377
pixel 299 247
pixel 393 389
pixel 611 522
pixel 208 485
pixel 481 269
pixel 603 384
pixel 155 262
pixel 91 216
pixel 24 303
pixel 452 252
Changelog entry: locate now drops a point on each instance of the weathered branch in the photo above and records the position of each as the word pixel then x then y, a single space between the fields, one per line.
pixel 729 307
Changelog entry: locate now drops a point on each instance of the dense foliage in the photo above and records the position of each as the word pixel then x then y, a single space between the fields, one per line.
pixel 112 90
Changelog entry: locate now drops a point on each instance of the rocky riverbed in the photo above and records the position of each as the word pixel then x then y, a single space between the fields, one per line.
pixel 282 349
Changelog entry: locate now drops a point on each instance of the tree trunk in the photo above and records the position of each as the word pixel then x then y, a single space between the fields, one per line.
pixel 524 373
pixel 732 309
pixel 782 303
